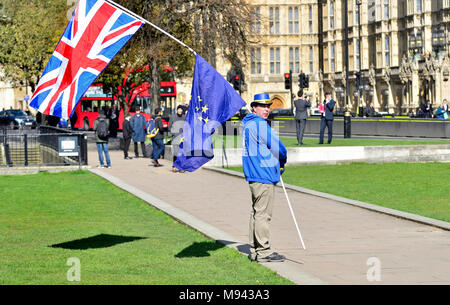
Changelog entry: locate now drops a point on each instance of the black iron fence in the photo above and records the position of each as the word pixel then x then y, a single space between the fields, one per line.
pixel 45 146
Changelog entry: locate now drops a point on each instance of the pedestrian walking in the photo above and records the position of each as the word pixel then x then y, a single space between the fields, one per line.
pixel 101 128
pixel 301 115
pixel 327 118
pixel 127 133
pixel 176 123
pixel 158 139
pixel 264 157
pixel 137 123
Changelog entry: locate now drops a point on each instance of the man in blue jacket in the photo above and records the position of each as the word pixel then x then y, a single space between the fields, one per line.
pixel 137 124
pixel 263 158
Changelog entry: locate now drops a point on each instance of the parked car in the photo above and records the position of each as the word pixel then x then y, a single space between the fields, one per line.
pixel 16 118
pixel 280 112
pixel 63 123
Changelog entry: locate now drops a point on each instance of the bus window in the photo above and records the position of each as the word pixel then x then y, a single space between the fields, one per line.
pixel 146 104
pixel 86 106
pixel 143 102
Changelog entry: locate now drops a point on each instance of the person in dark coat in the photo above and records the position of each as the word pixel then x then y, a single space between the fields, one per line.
pixel 158 140
pixel 327 118
pixel 369 111
pixel 428 110
pixel 127 134
pixel 102 143
pixel 176 123
pixel 138 123
pixel 113 116
pixel 301 115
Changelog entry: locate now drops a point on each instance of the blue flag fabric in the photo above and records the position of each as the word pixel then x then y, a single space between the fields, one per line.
pixel 213 102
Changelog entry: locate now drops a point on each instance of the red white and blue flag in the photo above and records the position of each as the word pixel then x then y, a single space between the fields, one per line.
pixel 94 35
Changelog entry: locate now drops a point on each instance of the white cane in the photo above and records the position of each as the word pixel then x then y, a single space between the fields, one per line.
pixel 292 213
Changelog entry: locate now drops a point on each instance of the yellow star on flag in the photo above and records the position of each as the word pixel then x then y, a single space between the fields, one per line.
pixel 204 109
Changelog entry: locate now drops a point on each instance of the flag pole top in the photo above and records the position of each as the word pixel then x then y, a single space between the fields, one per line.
pixel 151 24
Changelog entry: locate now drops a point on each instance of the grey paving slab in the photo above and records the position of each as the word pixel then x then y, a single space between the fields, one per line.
pixel 345 244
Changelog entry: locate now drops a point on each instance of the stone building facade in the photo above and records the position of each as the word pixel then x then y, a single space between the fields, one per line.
pixel 399 47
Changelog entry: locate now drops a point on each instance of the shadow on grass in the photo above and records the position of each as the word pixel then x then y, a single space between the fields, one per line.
pixel 97 241
pixel 201 249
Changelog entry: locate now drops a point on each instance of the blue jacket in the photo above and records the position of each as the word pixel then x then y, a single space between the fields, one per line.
pixel 137 123
pixel 262 151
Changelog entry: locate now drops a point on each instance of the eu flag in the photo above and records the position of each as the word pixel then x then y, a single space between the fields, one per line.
pixel 213 102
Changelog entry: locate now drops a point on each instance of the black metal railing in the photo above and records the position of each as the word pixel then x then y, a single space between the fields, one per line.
pixel 42 147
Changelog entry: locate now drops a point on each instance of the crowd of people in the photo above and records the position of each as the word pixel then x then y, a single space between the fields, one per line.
pixel 426 110
pixel 149 135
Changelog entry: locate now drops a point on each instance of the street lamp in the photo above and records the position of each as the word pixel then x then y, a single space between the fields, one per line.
pixel 347 116
pixel 358 3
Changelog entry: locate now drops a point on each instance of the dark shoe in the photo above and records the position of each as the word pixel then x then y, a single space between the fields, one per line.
pixel 274 257
pixel 128 158
pixel 154 162
pixel 252 258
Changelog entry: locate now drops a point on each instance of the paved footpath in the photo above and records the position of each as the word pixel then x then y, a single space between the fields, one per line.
pixel 344 244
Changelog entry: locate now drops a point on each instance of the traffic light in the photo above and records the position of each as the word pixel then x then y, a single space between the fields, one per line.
pixel 358 79
pixel 305 81
pixel 287 81
pixel 237 83
pixel 301 77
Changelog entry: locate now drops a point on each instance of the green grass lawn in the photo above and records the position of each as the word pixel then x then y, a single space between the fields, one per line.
pixel 418 188
pixel 236 142
pixel 46 219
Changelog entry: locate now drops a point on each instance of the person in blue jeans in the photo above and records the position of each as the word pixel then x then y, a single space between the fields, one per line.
pixel 100 125
pixel 158 140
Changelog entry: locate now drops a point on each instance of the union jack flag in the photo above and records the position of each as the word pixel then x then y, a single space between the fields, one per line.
pixel 94 35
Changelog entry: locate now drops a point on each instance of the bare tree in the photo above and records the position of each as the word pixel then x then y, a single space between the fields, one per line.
pixel 210 27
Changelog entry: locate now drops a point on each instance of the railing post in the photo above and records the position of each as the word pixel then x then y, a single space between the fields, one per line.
pixel 85 148
pixel 7 151
pixel 25 147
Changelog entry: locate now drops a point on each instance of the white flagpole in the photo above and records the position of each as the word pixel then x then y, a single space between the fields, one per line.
pixel 292 213
pixel 149 23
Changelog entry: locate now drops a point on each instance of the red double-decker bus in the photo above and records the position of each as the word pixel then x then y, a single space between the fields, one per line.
pixel 96 101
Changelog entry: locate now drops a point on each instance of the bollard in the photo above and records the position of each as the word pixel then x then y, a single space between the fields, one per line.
pixel 347 125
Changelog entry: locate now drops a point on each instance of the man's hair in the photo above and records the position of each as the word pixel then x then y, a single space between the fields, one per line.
pixel 300 93
pixel 157 111
pixel 328 93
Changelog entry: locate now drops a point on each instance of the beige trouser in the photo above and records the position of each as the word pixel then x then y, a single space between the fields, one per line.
pixel 262 198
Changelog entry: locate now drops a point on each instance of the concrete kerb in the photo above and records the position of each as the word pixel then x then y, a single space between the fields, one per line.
pixel 28 170
pixel 295 275
pixel 404 215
